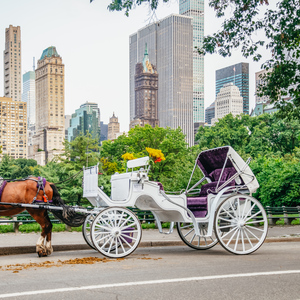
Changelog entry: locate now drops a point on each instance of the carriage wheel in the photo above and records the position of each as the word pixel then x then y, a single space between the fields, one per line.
pixel 86 230
pixel 241 224
pixel 116 232
pixel 187 234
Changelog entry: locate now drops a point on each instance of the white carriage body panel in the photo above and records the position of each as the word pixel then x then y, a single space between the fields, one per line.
pixel 90 182
pixel 138 162
pixel 120 184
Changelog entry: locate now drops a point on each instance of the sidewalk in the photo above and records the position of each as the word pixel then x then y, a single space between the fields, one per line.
pixel 21 243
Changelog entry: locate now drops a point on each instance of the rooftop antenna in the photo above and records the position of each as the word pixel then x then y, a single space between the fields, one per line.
pixel 33 63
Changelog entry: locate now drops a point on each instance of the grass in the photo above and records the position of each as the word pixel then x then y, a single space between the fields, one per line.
pixel 34 227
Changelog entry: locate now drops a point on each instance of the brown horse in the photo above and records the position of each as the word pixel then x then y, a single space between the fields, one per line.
pixel 24 192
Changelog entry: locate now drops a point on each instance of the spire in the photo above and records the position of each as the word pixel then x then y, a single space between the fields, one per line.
pixel 147 67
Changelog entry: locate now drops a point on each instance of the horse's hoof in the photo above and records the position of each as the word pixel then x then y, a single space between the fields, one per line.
pixel 42 254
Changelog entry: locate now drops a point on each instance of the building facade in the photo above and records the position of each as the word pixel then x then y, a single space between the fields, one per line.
pixel 258 82
pixel 238 74
pixel 170 49
pixel 113 127
pixel 86 119
pixel 12 63
pixel 50 107
pixel 13 127
pixel 229 100
pixel 195 9
pixel 210 113
pixel 146 88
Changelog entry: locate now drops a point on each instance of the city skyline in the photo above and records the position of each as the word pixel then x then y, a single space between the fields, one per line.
pixel 104 52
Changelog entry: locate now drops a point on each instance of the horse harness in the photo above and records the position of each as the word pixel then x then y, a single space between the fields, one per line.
pixel 41 182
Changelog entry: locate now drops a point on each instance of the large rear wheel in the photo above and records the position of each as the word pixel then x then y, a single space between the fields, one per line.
pixel 241 224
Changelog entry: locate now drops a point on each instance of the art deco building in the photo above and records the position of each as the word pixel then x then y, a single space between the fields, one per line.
pixel 13 125
pixel 238 74
pixel 86 119
pixel 12 63
pixel 146 87
pixel 195 9
pixel 170 49
pixel 229 100
pixel 113 127
pixel 50 107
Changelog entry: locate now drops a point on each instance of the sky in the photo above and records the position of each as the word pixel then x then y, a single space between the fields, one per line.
pixel 94 45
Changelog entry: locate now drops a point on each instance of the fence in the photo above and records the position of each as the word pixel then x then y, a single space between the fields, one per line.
pixel 288 214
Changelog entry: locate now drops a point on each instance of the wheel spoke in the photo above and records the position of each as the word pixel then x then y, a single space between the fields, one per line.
pixel 189 232
pixel 236 230
pixel 191 241
pixel 226 220
pixel 242 239
pixel 255 228
pixel 124 240
pixel 121 245
pixel 237 239
pixel 246 227
pixel 248 238
pixel 252 216
pixel 228 213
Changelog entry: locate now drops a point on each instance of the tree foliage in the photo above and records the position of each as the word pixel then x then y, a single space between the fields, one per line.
pixel 281 27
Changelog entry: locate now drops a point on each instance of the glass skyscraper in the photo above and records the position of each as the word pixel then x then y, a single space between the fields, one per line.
pixel 28 96
pixel 238 74
pixel 195 9
pixel 170 48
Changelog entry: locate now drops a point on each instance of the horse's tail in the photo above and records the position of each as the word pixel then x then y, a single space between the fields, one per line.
pixel 68 214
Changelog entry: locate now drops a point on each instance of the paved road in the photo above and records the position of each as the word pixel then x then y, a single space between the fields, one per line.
pixel 273 272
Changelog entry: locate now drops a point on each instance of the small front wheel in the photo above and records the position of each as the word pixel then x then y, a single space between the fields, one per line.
pixel 187 234
pixel 116 232
pixel 241 224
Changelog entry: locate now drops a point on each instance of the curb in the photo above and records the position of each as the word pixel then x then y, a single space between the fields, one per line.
pixel 75 247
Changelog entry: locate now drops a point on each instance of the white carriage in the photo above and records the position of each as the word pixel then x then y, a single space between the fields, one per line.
pixel 222 210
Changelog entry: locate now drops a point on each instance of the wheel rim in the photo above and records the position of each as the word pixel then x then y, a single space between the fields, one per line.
pixel 187 233
pixel 116 232
pixel 86 230
pixel 241 224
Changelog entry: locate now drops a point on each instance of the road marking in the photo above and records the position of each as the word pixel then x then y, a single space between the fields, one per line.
pixel 135 283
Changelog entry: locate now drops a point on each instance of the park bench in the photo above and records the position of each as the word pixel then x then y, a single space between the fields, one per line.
pixel 283 212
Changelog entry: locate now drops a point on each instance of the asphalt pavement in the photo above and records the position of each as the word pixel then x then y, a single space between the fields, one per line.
pixel 21 243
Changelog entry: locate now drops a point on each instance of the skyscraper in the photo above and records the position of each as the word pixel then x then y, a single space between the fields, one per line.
pixel 170 49
pixel 50 106
pixel 238 74
pixel 113 127
pixel 85 119
pixel 195 9
pixel 228 101
pixel 28 96
pixel 13 125
pixel 12 63
pixel 146 86
pixel 260 82
pixel 210 113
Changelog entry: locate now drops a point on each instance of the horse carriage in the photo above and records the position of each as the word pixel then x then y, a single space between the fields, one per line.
pixel 221 210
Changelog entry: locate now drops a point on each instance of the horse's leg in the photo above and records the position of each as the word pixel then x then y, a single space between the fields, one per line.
pixel 41 216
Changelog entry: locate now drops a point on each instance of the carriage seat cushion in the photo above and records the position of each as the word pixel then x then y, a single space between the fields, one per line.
pixel 227 173
pixel 198 205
